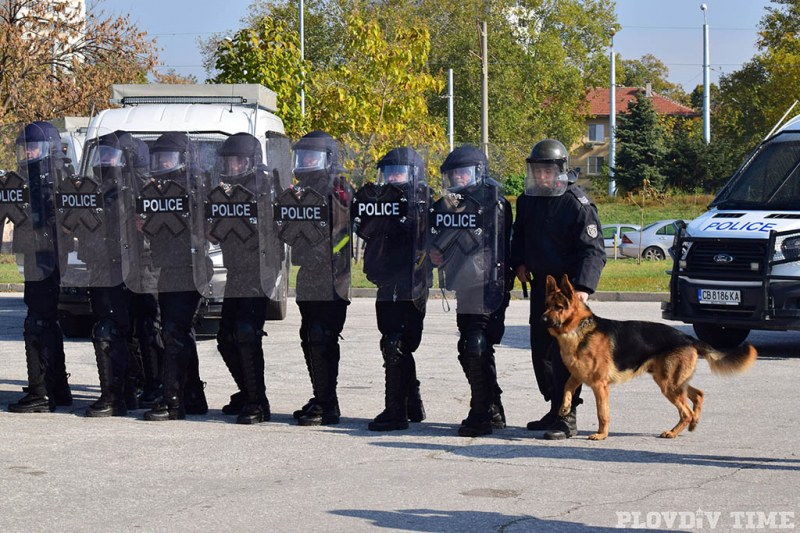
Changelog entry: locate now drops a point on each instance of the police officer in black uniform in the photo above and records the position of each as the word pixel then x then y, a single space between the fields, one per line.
pixel 391 216
pixel 477 268
pixel 323 252
pixel 244 307
pixel 40 158
pixel 556 232
pixel 173 160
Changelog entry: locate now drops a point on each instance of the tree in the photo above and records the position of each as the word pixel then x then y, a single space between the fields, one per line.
pixel 649 69
pixel 642 146
pixel 172 77
pixel 376 98
pixel 55 63
pixel 267 53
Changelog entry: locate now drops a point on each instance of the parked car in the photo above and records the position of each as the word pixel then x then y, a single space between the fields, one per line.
pixel 612 231
pixel 652 242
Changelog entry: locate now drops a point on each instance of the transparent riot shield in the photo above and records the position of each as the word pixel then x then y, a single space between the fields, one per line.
pixel 313 218
pixel 275 254
pixel 231 209
pixel 163 237
pixel 391 216
pixel 87 217
pixel 467 246
pixel 28 199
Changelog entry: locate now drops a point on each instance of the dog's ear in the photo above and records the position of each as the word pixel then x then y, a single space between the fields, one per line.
pixel 551 284
pixel 566 287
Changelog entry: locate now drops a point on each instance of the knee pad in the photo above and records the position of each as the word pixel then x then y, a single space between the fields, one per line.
pixel 106 330
pixel 37 326
pixel 319 334
pixel 392 348
pixel 176 335
pixel 246 333
pixel 472 344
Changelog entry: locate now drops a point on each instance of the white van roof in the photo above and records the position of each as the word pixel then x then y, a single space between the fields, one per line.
pixel 250 94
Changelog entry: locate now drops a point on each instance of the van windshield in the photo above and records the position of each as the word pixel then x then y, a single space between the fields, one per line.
pixel 771 180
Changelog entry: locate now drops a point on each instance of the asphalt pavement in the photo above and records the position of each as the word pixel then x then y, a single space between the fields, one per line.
pixel 740 470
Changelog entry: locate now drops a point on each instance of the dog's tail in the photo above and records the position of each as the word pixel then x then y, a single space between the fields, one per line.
pixel 733 361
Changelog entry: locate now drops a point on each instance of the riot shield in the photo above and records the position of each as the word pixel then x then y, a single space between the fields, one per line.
pixel 314 220
pixel 467 246
pixel 392 219
pixel 232 203
pixel 87 217
pixel 275 264
pixel 28 199
pixel 163 237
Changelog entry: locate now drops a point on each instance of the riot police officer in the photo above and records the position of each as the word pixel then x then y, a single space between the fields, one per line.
pixel 166 210
pixel 391 216
pixel 313 217
pixel 471 228
pixel 235 189
pixel 556 232
pixel 40 165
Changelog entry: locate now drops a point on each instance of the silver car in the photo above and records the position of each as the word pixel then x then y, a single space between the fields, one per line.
pixel 652 242
pixel 615 231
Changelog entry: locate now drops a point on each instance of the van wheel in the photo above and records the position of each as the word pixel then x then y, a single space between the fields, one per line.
pixel 653 253
pixel 720 337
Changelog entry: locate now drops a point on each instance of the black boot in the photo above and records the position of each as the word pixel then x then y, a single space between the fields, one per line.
pixel 256 409
pixel 36 400
pixel 546 422
pixel 395 415
pixel 194 396
pixel 135 377
pixel 309 405
pixel 177 354
pixel 152 354
pixel 61 393
pixel 169 407
pixel 325 367
pixel 111 401
pixel 227 348
pixel 479 419
pixel 416 410
pixel 564 427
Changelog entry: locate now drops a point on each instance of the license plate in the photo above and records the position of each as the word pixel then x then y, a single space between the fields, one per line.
pixel 719 297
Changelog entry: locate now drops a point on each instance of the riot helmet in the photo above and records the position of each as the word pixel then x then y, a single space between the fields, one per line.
pixel 464 167
pixel 108 152
pixel 36 142
pixel 547 172
pixel 315 151
pixel 401 166
pixel 239 157
pixel 168 154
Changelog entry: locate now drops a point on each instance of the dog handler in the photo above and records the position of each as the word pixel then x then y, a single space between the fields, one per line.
pixel 556 231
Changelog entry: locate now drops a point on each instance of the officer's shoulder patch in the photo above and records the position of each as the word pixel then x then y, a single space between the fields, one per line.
pixel 591 230
pixel 582 199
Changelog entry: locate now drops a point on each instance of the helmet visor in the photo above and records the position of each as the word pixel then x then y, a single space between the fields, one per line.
pixel 29 152
pixel 458 178
pixel 306 160
pixel 161 162
pixel 396 174
pixel 107 156
pixel 236 166
pixel 545 178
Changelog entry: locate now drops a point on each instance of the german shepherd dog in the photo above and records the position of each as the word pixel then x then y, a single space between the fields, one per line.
pixel 599 352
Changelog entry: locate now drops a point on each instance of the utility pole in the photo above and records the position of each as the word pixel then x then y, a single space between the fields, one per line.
pixel 484 88
pixel 450 107
pixel 612 120
pixel 302 61
pixel 706 82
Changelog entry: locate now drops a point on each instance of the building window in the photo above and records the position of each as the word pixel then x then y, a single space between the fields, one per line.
pixel 594 165
pixel 597 133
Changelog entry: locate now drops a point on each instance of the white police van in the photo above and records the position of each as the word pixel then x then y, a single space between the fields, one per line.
pixel 208 113
pixel 737 267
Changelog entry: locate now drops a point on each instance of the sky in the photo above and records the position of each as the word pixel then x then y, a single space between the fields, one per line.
pixel 671 30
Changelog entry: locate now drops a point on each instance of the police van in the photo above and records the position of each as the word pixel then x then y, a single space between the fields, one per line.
pixel 208 114
pixel 737 267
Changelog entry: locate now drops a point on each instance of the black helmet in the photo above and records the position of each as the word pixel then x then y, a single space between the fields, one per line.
pixel 239 155
pixel 37 141
pixel 463 167
pixel 109 151
pixel 169 153
pixel 547 169
pixel 403 161
pixel 316 150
